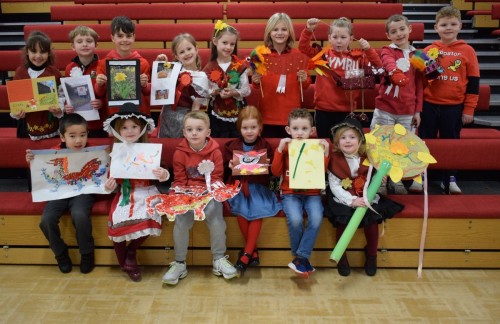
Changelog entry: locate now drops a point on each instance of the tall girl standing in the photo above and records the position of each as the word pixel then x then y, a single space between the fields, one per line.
pixel 333 103
pixel 228 81
pixel 280 91
pixel 189 94
pixel 39 63
pixel 255 201
pixel 128 219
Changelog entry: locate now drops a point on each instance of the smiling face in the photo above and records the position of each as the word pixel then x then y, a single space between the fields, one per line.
pixel 250 130
pixel 130 130
pixel 75 137
pixel 279 36
pixel 340 39
pixel 300 128
pixel 448 29
pixel 196 132
pixel 84 46
pixel 123 42
pixel 225 44
pixel 348 141
pixel 398 32
pixel 37 57
pixel 186 53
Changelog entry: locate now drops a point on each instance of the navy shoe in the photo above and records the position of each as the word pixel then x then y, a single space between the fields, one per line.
pixel 64 262
pixel 298 265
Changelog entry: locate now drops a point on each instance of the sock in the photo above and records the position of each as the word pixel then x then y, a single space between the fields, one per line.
pixel 371 234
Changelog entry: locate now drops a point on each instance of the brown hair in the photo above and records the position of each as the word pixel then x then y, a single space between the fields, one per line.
pixel 83 31
pixel 395 18
pixel 40 39
pixel 249 112
pixel 138 121
pixel 342 22
pixel 188 37
pixel 300 113
pixel 217 35
pixel 448 12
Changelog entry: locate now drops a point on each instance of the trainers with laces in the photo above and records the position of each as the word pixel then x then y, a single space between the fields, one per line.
pixel 454 188
pixel 298 265
pixel 176 271
pixel 416 187
pixel 398 188
pixel 223 267
pixel 310 269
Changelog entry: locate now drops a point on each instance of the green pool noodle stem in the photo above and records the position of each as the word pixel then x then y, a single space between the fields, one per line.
pixel 359 213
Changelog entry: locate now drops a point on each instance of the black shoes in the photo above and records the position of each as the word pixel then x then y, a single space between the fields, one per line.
pixel 64 262
pixel 370 264
pixel 343 266
pixel 240 265
pixel 87 263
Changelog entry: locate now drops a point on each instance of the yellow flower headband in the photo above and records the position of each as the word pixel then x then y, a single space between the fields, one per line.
pixel 220 25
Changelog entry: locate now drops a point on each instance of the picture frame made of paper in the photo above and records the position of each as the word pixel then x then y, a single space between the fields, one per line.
pixel 250 163
pixel 306 164
pixel 135 160
pixel 32 95
pixel 124 84
pixel 79 92
pixel 60 174
pixel 164 77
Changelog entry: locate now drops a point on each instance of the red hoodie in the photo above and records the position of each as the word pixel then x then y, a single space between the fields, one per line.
pixel 145 68
pixel 186 161
pixel 459 82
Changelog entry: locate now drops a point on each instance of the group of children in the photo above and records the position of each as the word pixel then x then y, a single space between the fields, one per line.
pixel 405 97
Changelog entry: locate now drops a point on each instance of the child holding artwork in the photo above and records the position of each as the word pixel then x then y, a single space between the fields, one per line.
pixel 255 201
pixel 228 81
pixel 346 178
pixel 83 41
pixel 123 36
pixel 39 63
pixel 190 90
pixel 73 134
pixel 450 100
pixel 280 91
pixel 197 149
pixel 128 219
pixel 399 100
pixel 331 101
pixel 295 201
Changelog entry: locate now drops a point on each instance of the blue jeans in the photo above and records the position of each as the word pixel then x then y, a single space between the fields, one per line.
pixel 302 239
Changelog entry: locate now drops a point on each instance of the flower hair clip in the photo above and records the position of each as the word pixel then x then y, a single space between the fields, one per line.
pixel 220 25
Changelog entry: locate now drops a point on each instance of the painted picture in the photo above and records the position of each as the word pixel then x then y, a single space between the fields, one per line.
pixel 123 82
pixel 135 161
pixel 306 164
pixel 250 163
pixel 58 174
pixel 163 82
pixel 32 94
pixel 79 93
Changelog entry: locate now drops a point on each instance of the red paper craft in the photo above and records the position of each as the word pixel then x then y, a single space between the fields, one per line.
pixel 250 163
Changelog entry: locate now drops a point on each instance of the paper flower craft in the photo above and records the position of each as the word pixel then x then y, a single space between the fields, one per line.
pixel 257 59
pixel 407 153
pixel 427 63
pixel 206 167
pixel 187 198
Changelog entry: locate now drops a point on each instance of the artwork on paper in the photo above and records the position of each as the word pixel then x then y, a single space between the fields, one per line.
pixel 32 95
pixel 186 198
pixel 306 164
pixel 79 93
pixel 250 162
pixel 135 160
pixel 59 174
pixel 163 82
pixel 124 84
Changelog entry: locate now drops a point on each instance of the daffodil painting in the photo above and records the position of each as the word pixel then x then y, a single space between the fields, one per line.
pixel 123 82
pixel 306 164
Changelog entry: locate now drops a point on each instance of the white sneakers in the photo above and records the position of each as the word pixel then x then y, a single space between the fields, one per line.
pixel 177 270
pixel 454 188
pixel 223 267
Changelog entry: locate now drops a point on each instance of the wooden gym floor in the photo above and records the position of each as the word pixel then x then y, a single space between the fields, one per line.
pixel 41 294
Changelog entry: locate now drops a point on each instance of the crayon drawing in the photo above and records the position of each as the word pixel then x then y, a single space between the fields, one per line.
pixel 135 161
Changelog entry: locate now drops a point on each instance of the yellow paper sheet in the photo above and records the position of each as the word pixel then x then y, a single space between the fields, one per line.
pixel 306 164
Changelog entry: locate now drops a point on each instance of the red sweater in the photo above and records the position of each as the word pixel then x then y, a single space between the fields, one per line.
pixel 275 107
pixel 280 167
pixel 410 97
pixel 327 95
pixel 459 83
pixel 91 70
pixel 145 68
pixel 186 161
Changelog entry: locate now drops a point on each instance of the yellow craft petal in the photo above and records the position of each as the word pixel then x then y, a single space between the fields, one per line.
pixel 399 129
pixel 418 179
pixel 426 157
pixel 370 139
pixel 319 72
pixel 366 162
pixel 396 174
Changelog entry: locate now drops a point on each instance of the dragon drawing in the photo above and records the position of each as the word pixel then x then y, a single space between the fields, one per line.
pixel 91 171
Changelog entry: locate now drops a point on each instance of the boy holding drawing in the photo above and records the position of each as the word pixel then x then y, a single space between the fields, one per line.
pixel 83 41
pixel 295 201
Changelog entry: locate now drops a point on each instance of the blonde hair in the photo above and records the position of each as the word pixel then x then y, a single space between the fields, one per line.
pixel 138 121
pixel 197 114
pixel 341 22
pixel 448 12
pixel 83 31
pixel 341 130
pixel 187 37
pixel 271 24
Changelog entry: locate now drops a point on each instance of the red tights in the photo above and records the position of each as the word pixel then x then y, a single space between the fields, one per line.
pixel 371 235
pixel 121 248
pixel 250 231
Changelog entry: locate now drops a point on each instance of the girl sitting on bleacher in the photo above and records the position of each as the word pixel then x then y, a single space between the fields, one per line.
pixel 39 63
